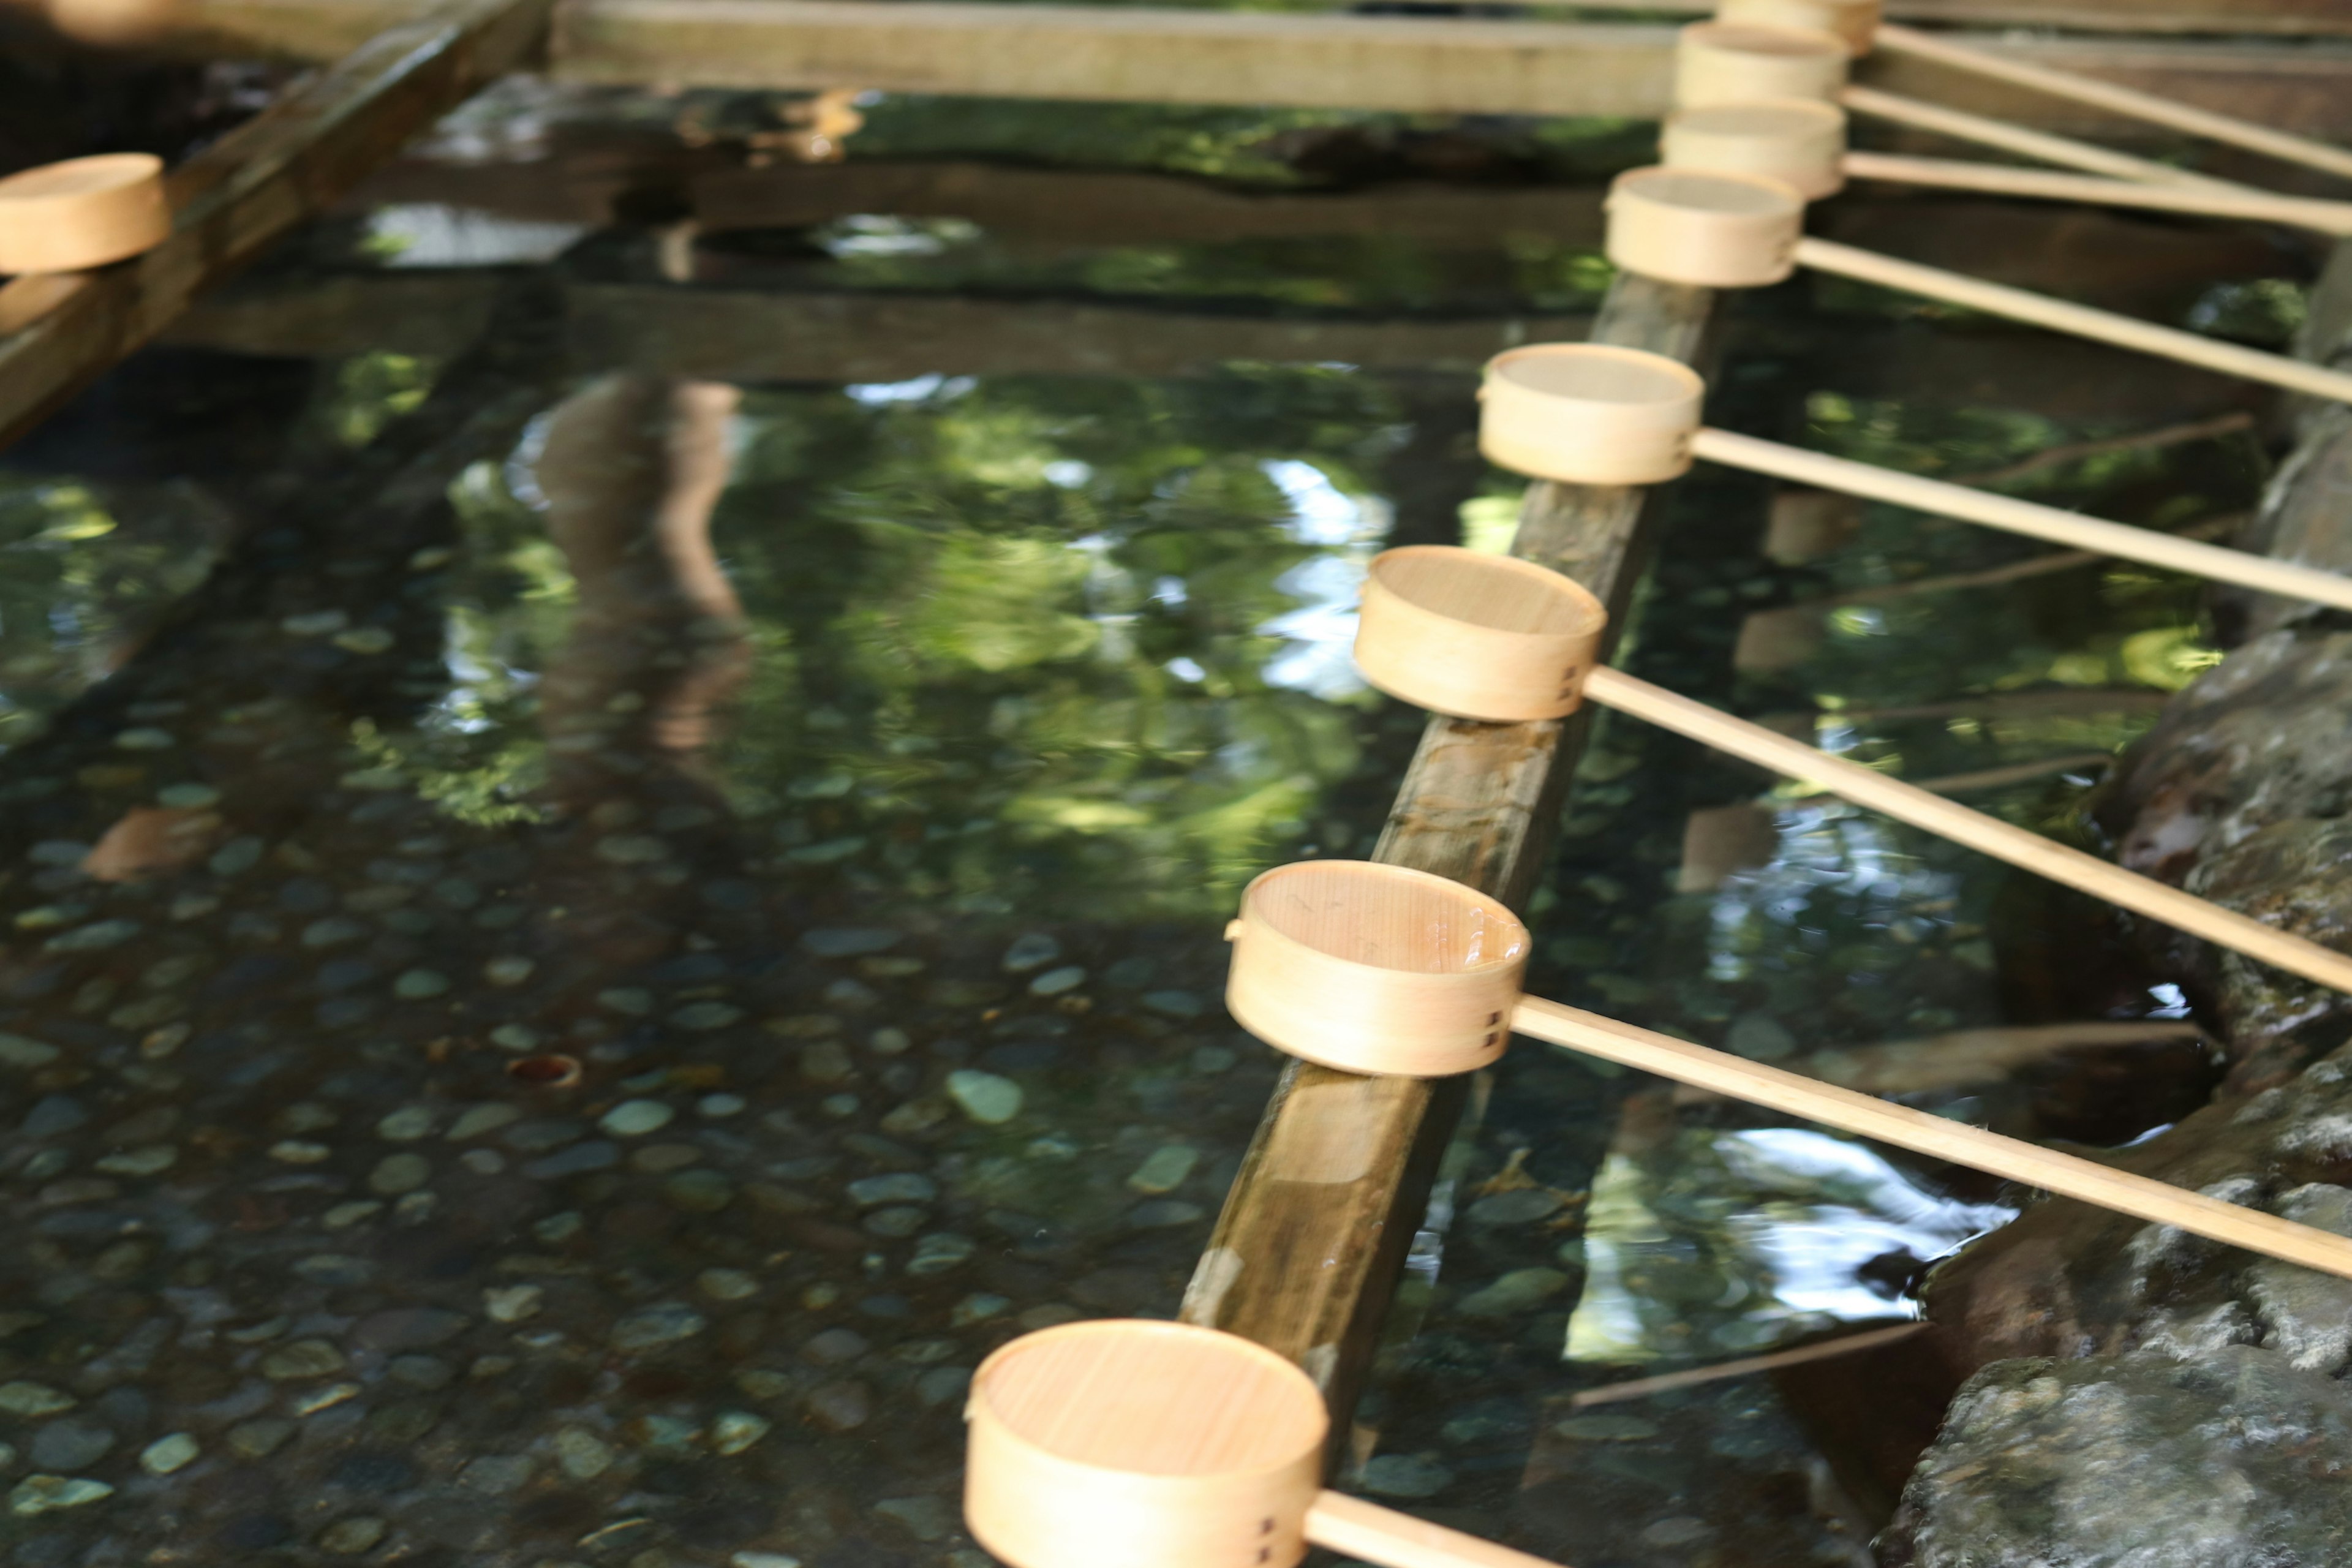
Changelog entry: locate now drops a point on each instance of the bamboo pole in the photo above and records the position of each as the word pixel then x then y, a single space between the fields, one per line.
pixel 1987 131
pixel 2118 99
pixel 2031 519
pixel 1355 1528
pixel 2261 206
pixel 2030 851
pixel 2067 1175
pixel 2064 316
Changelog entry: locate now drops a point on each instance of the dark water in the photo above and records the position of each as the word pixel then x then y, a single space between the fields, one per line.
pixel 586 941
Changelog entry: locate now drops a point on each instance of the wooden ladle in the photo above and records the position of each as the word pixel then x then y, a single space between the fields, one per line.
pixel 1131 1444
pixel 1802 142
pixel 1487 636
pixel 1589 413
pixel 82 213
pixel 1857 25
pixel 1378 969
pixel 1743 231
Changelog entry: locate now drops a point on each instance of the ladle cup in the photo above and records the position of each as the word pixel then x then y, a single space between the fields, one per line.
pixel 1483 607
pixel 82 213
pixel 1856 26
pixel 1736 231
pixel 1589 413
pixel 1801 143
pixel 1347 963
pixel 1131 1444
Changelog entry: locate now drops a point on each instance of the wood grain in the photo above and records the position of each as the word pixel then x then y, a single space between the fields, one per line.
pixel 1307 1252
pixel 2259 206
pixel 243 192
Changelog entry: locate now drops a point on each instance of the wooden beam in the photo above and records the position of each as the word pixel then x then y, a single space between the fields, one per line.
pixel 1414 64
pixel 1313 1233
pixel 246 190
pixel 754 336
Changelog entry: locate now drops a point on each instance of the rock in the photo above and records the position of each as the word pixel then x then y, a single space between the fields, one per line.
pixel 939 1252
pixel 1033 950
pixel 496 1475
pixel 406 1124
pixel 420 984
pixel 477 1120
pixel 2135 1459
pixel 848 941
pixel 578 1159
pixel 841 1406
pixel 636 1118
pixel 703 1017
pixel 397 1173
pixel 302 1359
pixel 259 1439
pixel 727 1284
pixel 166 1454
pixel 1405 1476
pixel 408 1329
pixel 1521 1205
pixel 834 1347
pixel 54 1494
pixel 70 1445
pixel 2305 1314
pixel 697 1192
pixel 349 1537
pixel 53 1114
pixel 650 1327
pixel 736 1430
pixel 899 1187
pixel 985 1097
pixel 513 1303
pixel 924 1517
pixel 942 1383
pixel 32 1399
pixel 1520 1290
pixel 582 1454
pixel 1165 1169
pixel 1055 982
pixel 1606 1428
pixel 1174 1003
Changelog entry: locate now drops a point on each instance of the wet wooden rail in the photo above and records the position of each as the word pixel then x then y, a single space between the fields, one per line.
pixel 1314 1231
pixel 236 198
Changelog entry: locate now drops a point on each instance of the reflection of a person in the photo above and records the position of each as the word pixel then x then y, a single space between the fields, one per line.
pixel 632 468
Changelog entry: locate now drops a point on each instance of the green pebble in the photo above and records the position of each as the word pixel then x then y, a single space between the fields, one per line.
pixel 420 984
pixel 396 1174
pixel 164 1455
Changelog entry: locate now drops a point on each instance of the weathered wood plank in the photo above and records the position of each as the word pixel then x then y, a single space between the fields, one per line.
pixel 1315 1230
pixel 1453 64
pixel 252 186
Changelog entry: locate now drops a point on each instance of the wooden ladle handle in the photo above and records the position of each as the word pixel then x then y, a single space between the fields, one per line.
pixel 2065 1174
pixel 1396 1540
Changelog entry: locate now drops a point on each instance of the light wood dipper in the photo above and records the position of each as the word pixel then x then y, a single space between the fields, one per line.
pixel 1379 934
pixel 1133 1444
pixel 1737 231
pixel 82 213
pixel 1589 413
pixel 1857 26
pixel 1801 143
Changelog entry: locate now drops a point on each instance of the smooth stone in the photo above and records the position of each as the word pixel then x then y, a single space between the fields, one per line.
pixel 1163 1212
pixel 507 969
pixel 477 1120
pixel 405 1125
pixel 924 1517
pixel 31 1399
pixel 718 1107
pixel 700 1016
pixel 1174 1003
pixel 349 1537
pixel 1033 950
pixel 1166 1169
pixel 145 1162
pixel 662 1323
pixel 397 1173
pixel 942 1383
pixel 1522 1206
pixel 985 1097
pixel 259 1439
pixel 582 1454
pixel 513 1303
pixel 848 941
pixel 898 1187
pixel 698 1192
pixel 1405 1476
pixel 536 1137
pixel 1056 982
pixel 763 1560
pixel 1520 1290
pixel 636 1118
pixel 736 1430
pixel 841 1406
pixel 52 1114
pixel 19 1051
pixel 1606 1428
pixel 977 1308
pixel 52 1494
pixel 70 1445
pixel 175 1451
pixel 496 1475
pixel 302 1358
pixel 939 1252
pixel 420 984
pixel 834 1347
pixel 727 1284
pixel 657 1159
pixel 408 1329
